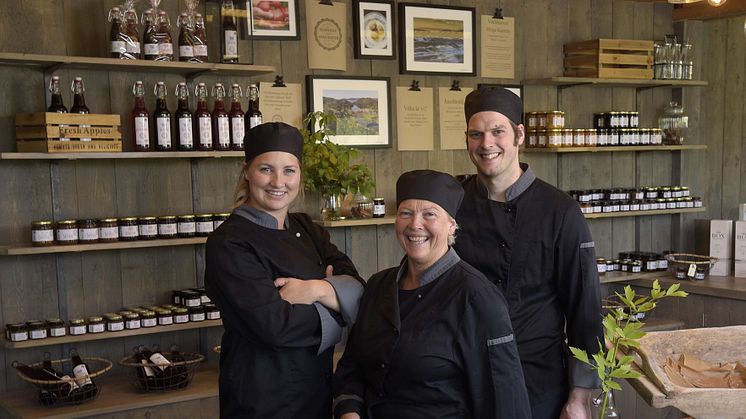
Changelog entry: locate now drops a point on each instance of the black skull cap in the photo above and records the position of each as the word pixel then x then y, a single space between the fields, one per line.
pixel 273 136
pixel 440 188
pixel 496 99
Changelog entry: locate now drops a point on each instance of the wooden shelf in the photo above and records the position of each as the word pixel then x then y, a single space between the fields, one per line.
pixel 390 219
pixel 618 276
pixel 117 395
pixel 45 62
pixel 111 335
pixel 584 81
pixel 609 149
pixel 137 244
pixel 641 213
pixel 123 155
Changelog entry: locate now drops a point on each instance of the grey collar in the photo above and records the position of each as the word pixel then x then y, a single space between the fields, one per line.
pixel 258 216
pixel 433 272
pixel 517 188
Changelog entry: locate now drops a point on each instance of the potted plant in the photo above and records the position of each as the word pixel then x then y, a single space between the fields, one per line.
pixel 327 168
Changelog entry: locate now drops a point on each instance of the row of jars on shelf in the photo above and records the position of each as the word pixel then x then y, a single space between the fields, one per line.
pixel 107 230
pixel 614 194
pixel 633 262
pixel 591 137
pixel 596 207
pixel 556 120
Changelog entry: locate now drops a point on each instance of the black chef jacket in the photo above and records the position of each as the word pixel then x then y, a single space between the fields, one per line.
pixel 537 248
pixel 276 357
pixel 448 352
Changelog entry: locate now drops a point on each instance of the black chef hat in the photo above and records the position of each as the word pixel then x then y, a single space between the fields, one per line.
pixel 432 186
pixel 273 136
pixel 496 99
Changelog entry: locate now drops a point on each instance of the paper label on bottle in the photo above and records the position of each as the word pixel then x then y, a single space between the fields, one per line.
pixel 224 132
pixel 128 231
pixel 57 332
pixel 132 324
pixel 148 230
pixel 115 327
pixel 163 321
pixel 133 47
pixel 200 50
pixel 38 334
pixel 142 133
pixel 166 49
pixel 231 44
pixel 197 317
pixel 77 330
pixel 213 315
pixel 81 375
pixel 160 361
pixel 205 132
pixel 66 235
pixel 18 336
pixel 149 322
pixel 148 371
pixel 204 227
pixel 254 121
pixel 379 209
pixel 185 131
pixel 181 318
pixel 167 229
pixel 238 131
pixel 108 233
pixel 151 49
pixel 186 227
pixel 95 328
pixel 88 234
pixel 42 236
pixel 118 46
pixel 186 51
pixel 164 131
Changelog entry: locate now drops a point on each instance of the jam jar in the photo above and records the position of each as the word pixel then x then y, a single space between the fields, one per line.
pixel 37 329
pixel 67 232
pixel 601 265
pixel 379 208
pixel 176 297
pixel 128 230
pixel 132 321
pixel 203 224
pixel 218 219
pixel 42 233
pixel 96 324
pixel 202 294
pixel 147 228
pixel 148 318
pixel 16 332
pixel 87 231
pixel 167 227
pixel 196 314
pixel 56 328
pixel 114 322
pixel 190 298
pixel 108 230
pixel 181 315
pixel 211 311
pixel 185 226
pixel 76 327
pixel 165 317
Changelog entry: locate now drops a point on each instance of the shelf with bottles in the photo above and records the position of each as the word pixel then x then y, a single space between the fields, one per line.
pixel 611 149
pixel 643 213
pixel 564 82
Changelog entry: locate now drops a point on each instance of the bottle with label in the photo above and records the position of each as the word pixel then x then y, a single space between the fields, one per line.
pixel 202 119
pixel 221 131
pixel 131 35
pixel 81 374
pixel 237 118
pixel 184 119
pixel 229 32
pixel 186 47
pixel 66 388
pixel 47 397
pixel 56 104
pixel 162 118
pixel 140 120
pixel 163 34
pixel 150 40
pixel 79 101
pixel 116 40
pixel 253 115
pixel 145 375
pixel 200 39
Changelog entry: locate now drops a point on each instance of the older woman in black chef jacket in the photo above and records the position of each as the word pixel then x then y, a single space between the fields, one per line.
pixel 283 289
pixel 433 338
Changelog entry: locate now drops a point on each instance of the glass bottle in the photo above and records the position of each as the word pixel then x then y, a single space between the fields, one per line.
pixel 186 47
pixel 79 101
pixel 118 45
pixel 674 123
pixel 66 387
pixel 237 118
pixel 181 375
pixel 162 117
pixel 200 39
pixel 202 119
pixel 152 51
pixel 221 131
pixel 140 120
pixel 165 43
pixel 132 35
pixel 145 375
pixel 46 397
pixel 229 32
pixel 184 119
pixel 56 104
pixel 81 375
pixel 253 114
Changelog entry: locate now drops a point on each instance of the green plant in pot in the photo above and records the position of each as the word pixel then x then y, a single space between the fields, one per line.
pixel 326 166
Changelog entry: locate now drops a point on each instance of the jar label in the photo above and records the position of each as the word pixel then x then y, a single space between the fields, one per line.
pixel 142 133
pixel 77 330
pixel 205 132
pixel 224 131
pixel 148 371
pixel 662 264
pixel 118 46
pixel 185 131
pixel 18 336
pixel 42 236
pixel 88 234
pixel 379 209
pixel 57 331
pixel 115 327
pixel 216 224
pixel 237 128
pixel 204 227
pixel 38 334
pixel 149 322
pixel 166 48
pixel 108 233
pixel 128 231
pixel 231 44
pixel 151 49
pixel 186 227
pixel 167 229
pixel 164 131
pixel 166 320
pixel 160 361
pixel 67 235
pixel 95 328
pixel 148 230
pixel 255 120
pixel 193 302
pixel 699 275
pixel 181 318
pixel 81 375
pixel 186 51
pixel 204 299
pixel 200 50
pixel 132 324
pixel 197 317
pixel 213 315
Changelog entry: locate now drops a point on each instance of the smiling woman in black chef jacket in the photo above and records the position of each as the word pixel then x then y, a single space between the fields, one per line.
pixel 433 338
pixel 283 289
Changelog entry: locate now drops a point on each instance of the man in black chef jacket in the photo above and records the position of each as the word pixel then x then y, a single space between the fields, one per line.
pixel 531 240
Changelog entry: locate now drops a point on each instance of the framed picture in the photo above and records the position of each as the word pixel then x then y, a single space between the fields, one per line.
pixel 515 88
pixel 362 106
pixel 274 19
pixel 436 39
pixel 373 29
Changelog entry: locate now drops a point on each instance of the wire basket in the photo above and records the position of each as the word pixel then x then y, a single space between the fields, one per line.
pixel 689 265
pixel 151 377
pixel 69 391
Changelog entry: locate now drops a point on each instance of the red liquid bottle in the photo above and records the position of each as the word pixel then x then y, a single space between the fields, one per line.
pixel 186 43
pixel 202 119
pixel 140 120
pixel 150 41
pixel 221 131
pixel 236 116
pixel 162 117
pixel 184 119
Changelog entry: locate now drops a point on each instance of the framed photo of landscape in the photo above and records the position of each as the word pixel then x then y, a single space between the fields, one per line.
pixel 373 29
pixel 274 19
pixel 362 106
pixel 436 39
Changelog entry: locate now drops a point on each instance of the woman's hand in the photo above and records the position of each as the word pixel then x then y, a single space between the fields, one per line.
pixel 578 404
pixel 309 291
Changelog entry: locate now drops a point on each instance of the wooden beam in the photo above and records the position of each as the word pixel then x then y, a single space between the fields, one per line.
pixel 703 11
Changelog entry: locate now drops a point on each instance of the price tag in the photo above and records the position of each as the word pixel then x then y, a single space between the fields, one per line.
pixel 692 270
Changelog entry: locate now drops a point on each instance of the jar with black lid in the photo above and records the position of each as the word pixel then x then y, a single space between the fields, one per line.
pixel 617 264
pixel 76 327
pixel 666 192
pixel 185 226
pixel 634 205
pixel 190 298
pixel 624 265
pixel 609 265
pixel 167 227
pixel 697 202
pixel 42 233
pixel 636 266
pixel 624 206
pixel 56 328
pixel 181 315
pixel 128 229
pixel 196 314
pixel 67 232
pixel 601 265
pixel 651 193
pixel 218 219
pixel 96 324
pixel 108 230
pixel 132 321
pixel 148 319
pixel 645 205
pixel 681 272
pixel 662 262
pixel 379 208
pixel 202 294
pixel 597 207
pixel 176 297
pixel 211 311
pixel 147 228
pixel 165 317
pixel 613 136
pixel 16 332
pixel 37 329
pixel 607 207
pixel 87 231
pixel 114 322
pixel 699 275
pixel 203 224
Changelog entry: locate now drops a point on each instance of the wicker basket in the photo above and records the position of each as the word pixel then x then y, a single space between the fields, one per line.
pixel 690 266
pixel 150 377
pixel 66 391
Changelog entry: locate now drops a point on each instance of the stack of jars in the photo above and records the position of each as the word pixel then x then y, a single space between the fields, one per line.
pixel 610 200
pixel 197 303
pixel 547 129
pixel 633 262
pixel 622 128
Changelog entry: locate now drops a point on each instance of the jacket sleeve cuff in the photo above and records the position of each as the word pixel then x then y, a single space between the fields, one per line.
pixel 583 375
pixel 331 331
pixel 348 403
pixel 348 290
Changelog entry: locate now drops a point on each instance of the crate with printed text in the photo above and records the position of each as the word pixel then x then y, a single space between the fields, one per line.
pixel 610 59
pixel 51 132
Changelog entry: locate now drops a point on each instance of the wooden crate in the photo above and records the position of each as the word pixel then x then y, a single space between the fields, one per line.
pixel 41 132
pixel 610 59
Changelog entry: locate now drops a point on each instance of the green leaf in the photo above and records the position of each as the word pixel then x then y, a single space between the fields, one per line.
pixel 679 294
pixel 579 354
pixel 656 285
pixel 629 293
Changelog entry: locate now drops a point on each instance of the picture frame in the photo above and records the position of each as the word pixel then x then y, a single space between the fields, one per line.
pixel 274 20
pixel 373 29
pixel 362 106
pixel 515 88
pixel 437 39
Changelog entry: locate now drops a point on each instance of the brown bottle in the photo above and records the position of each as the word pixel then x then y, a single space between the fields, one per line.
pixel 56 104
pixel 116 40
pixel 202 119
pixel 253 115
pixel 186 43
pixel 79 101
pixel 150 41
pixel 132 35
pixel 140 120
pixel 184 119
pixel 200 39
pixel 229 33
pixel 162 117
pixel 236 116
pixel 221 131
pixel 163 34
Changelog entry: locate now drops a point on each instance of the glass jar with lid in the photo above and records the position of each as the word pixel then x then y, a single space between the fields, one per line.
pixel 56 328
pixel 148 318
pixel 554 138
pixel 37 329
pixel 601 265
pixel 181 315
pixel 108 230
pixel 114 322
pixel 87 231
pixel 147 228
pixel 96 324
pixel 17 332
pixel 128 229
pixel 186 226
pixel 42 233
pixel 167 227
pixel 673 123
pixel 165 316
pixel 196 314
pixel 67 232
pixel 211 311
pixel 132 321
pixel 190 298
pixel 218 219
pixel 76 327
pixel 203 224
pixel 555 119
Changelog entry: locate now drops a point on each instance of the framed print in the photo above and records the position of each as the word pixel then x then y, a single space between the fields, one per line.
pixel 515 88
pixel 373 29
pixel 274 19
pixel 361 105
pixel 436 39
